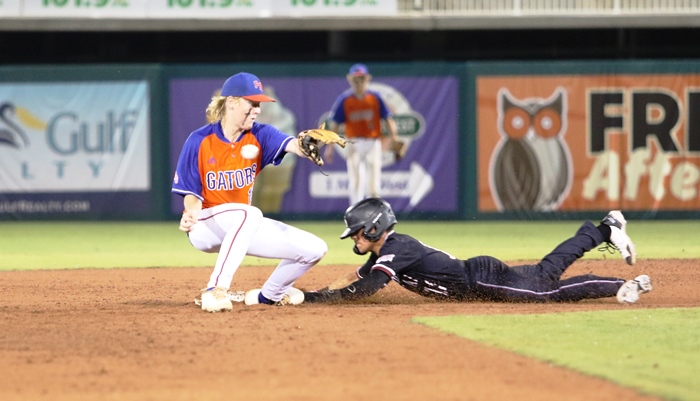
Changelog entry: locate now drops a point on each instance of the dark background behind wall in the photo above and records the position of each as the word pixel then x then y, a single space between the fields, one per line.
pixel 85 47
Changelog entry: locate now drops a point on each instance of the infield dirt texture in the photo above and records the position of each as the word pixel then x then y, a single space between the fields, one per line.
pixel 135 334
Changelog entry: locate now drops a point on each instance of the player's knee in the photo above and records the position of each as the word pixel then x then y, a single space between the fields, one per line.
pixel 252 220
pixel 320 249
pixel 255 215
pixel 316 249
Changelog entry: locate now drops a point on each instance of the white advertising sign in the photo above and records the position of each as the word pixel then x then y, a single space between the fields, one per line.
pixel 71 137
pixel 340 8
pixel 10 8
pixel 209 8
pixel 194 9
pixel 85 8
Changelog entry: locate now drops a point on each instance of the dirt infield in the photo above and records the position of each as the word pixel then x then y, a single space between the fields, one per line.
pixel 135 334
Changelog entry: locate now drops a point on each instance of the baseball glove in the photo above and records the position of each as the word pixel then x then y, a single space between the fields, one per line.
pixel 398 148
pixel 310 142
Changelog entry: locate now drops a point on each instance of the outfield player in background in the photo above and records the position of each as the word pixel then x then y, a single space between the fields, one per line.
pixel 433 273
pixel 361 111
pixel 216 180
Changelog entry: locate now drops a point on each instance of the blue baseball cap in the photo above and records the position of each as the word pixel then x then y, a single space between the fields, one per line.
pixel 247 86
pixel 358 70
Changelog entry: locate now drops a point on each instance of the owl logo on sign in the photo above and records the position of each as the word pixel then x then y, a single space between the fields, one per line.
pixel 531 167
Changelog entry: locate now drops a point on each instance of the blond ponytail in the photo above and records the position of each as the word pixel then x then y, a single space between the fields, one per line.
pixel 216 109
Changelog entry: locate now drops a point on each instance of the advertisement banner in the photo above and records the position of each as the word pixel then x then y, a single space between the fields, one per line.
pixel 70 138
pixel 588 142
pixel 85 8
pixel 10 8
pixel 339 8
pixel 194 9
pixel 228 9
pixel 424 181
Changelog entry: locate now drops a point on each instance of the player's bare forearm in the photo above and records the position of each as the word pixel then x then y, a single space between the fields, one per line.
pixel 193 206
pixel 309 143
pixel 293 147
pixel 343 281
pixel 192 203
pixel 393 130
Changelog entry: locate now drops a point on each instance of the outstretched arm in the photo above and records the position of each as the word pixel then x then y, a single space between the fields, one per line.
pixel 309 143
pixel 361 288
pixel 343 281
pixel 294 147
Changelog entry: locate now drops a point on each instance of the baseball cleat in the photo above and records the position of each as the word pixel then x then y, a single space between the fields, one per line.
pixel 215 299
pixel 236 296
pixel 618 236
pixel 251 297
pixel 233 296
pixel 630 291
pixel 293 296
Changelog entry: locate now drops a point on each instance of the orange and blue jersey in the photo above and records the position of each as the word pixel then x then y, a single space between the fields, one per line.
pixel 362 117
pixel 211 167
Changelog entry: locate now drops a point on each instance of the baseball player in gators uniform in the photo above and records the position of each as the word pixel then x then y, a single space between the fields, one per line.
pixel 361 111
pixel 215 175
pixel 433 273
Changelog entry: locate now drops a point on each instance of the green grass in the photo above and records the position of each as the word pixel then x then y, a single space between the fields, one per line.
pixel 62 245
pixel 655 351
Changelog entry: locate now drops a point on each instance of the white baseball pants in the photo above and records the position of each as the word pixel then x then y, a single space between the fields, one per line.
pixel 235 230
pixel 364 164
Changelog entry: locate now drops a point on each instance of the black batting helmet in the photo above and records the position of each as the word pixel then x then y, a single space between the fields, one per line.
pixel 368 214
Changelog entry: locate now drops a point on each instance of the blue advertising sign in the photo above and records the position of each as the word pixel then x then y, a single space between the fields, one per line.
pixel 426 112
